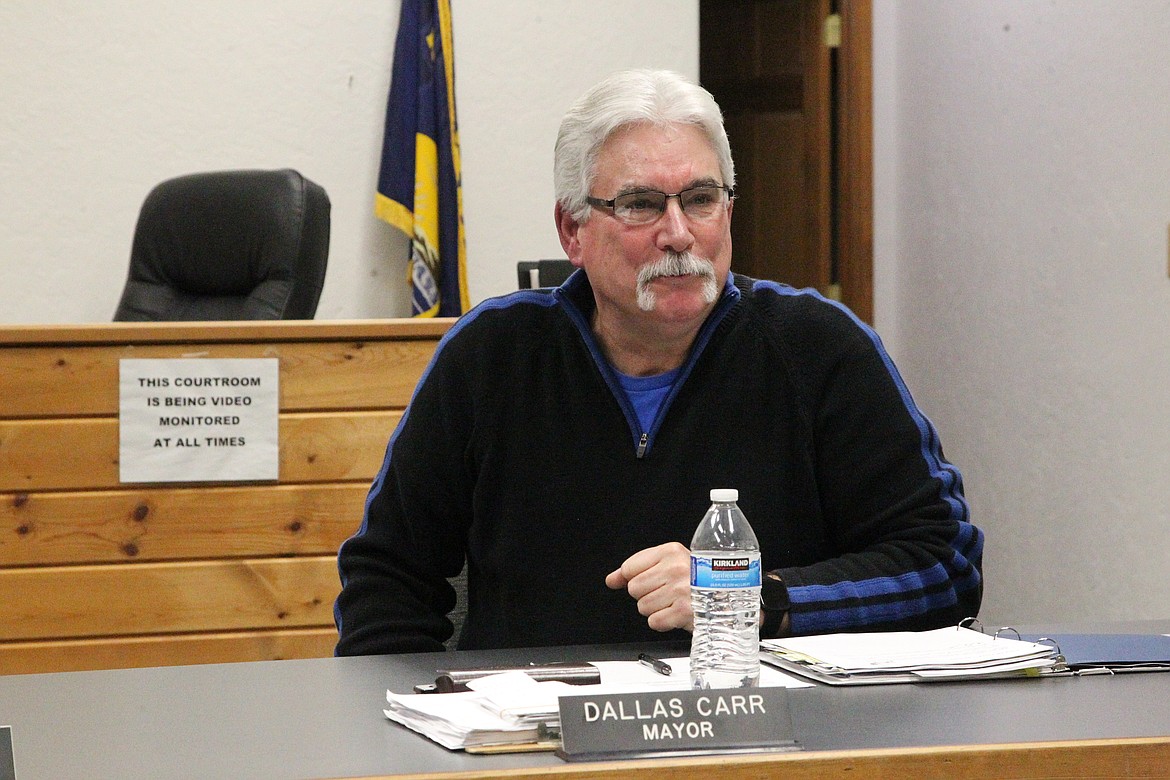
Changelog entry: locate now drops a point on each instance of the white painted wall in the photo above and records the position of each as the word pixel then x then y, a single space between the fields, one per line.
pixel 101 101
pixel 1023 196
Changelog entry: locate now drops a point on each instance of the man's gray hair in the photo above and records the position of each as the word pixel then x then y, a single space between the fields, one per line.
pixel 656 97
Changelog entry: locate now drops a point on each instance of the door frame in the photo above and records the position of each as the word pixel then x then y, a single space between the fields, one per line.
pixel 853 177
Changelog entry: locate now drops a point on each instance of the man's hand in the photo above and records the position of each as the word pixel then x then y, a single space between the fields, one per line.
pixel 660 579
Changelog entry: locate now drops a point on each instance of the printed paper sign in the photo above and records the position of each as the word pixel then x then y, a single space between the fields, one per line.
pixel 199 420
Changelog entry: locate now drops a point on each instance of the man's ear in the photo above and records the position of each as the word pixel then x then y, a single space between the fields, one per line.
pixel 568 230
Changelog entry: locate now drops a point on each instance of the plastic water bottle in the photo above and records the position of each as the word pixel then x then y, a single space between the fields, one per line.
pixel 725 597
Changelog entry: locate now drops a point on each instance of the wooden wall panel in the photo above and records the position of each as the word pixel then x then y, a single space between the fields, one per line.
pixel 158 598
pixel 65 380
pixel 312 376
pixel 167 650
pixel 118 526
pixel 99 574
pixel 83 453
pixel 334 446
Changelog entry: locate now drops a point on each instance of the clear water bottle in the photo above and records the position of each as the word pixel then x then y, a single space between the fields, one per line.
pixel 725 597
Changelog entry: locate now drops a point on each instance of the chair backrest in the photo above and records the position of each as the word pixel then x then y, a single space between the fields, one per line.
pixel 534 274
pixel 228 245
pixel 459 614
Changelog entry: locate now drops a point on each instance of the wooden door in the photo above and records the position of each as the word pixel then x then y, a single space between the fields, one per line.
pixel 794 80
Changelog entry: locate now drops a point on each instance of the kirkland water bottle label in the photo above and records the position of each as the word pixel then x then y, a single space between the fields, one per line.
pixel 734 572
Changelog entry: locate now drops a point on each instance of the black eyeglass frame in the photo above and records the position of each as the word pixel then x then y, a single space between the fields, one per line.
pixel 600 203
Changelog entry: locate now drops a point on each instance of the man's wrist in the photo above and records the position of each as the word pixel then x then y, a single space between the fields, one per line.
pixel 774 605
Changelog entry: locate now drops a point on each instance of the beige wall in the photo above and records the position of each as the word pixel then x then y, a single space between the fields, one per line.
pixel 1023 196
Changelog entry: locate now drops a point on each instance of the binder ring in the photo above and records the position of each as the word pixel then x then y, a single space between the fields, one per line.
pixel 1049 641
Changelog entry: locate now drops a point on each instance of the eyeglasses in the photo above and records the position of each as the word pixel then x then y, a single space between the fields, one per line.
pixel 646 206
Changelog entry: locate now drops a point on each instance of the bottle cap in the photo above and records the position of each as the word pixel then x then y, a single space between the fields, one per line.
pixel 724 495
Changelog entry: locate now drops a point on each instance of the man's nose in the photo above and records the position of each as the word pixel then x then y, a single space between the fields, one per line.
pixel 674 229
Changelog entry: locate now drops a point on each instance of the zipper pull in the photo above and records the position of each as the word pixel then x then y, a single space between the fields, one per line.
pixel 642 444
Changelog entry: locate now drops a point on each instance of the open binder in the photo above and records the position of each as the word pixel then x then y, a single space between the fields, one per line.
pixel 1109 653
pixel 945 654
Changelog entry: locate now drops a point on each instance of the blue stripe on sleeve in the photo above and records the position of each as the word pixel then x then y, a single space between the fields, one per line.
pixel 967 544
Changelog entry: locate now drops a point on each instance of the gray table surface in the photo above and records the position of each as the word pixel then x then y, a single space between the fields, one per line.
pixel 323 717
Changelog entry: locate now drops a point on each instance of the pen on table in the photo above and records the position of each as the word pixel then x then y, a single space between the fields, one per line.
pixel 661 667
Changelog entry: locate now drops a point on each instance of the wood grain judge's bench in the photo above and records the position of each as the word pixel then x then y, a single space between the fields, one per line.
pixel 96 574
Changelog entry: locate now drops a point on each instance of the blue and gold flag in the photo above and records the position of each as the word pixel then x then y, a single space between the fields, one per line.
pixel 420 189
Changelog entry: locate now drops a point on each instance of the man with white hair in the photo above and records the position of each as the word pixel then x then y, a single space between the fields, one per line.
pixel 563 446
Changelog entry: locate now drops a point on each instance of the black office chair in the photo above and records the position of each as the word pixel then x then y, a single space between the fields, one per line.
pixel 228 245
pixel 536 274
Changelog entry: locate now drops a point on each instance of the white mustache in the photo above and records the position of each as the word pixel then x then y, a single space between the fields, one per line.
pixel 675 264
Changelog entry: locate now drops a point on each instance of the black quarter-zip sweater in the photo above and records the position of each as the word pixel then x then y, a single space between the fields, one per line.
pixel 521 455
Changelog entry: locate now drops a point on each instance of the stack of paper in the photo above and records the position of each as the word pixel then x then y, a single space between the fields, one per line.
pixel 455 720
pixel 909 656
pixel 512 708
